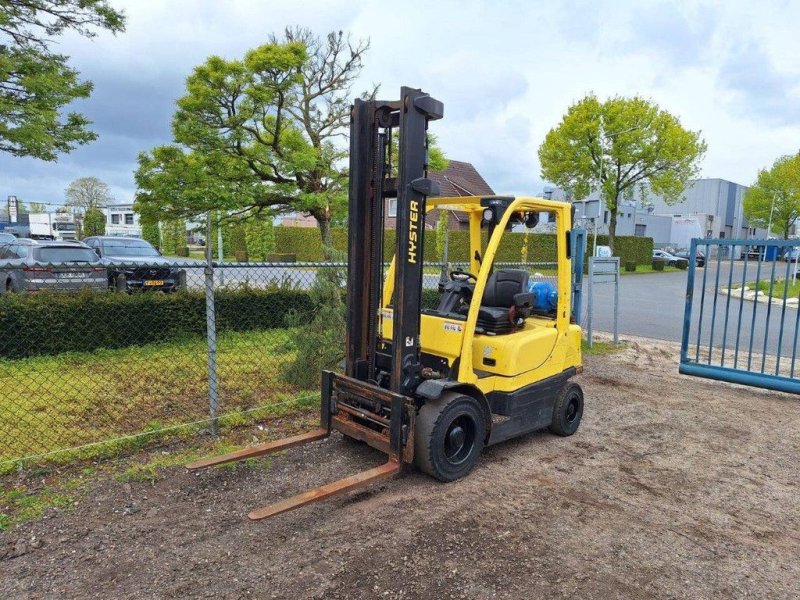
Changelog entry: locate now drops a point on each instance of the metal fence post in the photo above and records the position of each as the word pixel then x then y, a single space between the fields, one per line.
pixel 616 306
pixel 211 333
pixel 589 304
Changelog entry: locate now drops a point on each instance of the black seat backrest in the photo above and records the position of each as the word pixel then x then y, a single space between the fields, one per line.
pixel 503 285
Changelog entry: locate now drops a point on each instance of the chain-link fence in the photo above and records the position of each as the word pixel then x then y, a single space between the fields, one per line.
pixel 99 356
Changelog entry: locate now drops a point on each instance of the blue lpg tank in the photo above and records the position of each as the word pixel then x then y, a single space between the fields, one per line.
pixel 545 295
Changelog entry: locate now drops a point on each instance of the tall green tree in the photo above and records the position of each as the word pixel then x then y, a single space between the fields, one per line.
pixel 94 222
pixel 775 196
pixel 88 193
pixel 617 147
pixel 258 134
pixel 37 83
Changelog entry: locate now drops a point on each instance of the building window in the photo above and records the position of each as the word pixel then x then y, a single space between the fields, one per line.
pixel 605 218
pixel 639 230
pixel 393 207
pixel 115 219
pixel 128 218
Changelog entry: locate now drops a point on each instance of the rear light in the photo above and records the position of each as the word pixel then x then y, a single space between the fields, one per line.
pixel 98 270
pixel 38 269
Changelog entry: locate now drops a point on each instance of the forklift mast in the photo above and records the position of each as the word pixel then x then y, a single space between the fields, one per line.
pixel 373 124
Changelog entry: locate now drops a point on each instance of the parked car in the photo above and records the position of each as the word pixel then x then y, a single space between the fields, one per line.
pixel 700 257
pixel 6 238
pixel 34 265
pixel 666 257
pixel 135 265
pixel 791 254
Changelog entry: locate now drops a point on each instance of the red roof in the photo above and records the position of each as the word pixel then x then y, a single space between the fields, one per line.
pixel 461 179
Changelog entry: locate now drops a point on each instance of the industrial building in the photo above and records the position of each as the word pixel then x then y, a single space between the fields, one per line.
pixel 710 208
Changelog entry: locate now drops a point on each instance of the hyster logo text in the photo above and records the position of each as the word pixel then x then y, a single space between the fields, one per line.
pixel 412 232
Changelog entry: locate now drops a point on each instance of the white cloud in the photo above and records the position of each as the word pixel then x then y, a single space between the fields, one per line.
pixel 505 71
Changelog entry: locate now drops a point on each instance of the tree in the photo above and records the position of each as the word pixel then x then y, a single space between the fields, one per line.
pixel 617 147
pixel 774 199
pixel 151 233
pixel 35 83
pixel 257 135
pixel 88 193
pixel 94 222
pixel 36 207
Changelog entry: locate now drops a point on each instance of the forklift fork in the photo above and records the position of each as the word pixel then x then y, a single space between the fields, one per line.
pixel 351 422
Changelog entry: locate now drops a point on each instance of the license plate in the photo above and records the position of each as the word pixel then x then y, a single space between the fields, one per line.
pixel 154 282
pixel 72 275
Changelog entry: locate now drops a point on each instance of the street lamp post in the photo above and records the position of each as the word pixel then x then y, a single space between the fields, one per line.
pixel 771 210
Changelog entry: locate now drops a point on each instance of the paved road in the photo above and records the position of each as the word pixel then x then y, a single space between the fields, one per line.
pixel 652 305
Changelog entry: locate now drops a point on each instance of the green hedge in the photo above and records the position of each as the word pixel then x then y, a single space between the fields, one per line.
pixel 305 243
pixel 45 323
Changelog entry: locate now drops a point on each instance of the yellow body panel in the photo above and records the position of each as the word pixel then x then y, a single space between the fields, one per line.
pixel 542 348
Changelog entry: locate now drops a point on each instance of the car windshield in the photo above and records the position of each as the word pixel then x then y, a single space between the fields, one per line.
pixel 63 254
pixel 129 248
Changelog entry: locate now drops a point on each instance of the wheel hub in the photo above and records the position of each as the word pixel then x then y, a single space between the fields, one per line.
pixel 459 439
pixel 455 438
pixel 572 409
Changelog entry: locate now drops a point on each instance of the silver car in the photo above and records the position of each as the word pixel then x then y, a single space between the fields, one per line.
pixel 34 265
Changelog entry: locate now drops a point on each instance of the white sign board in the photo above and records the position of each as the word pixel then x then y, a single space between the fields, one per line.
pixel 13 209
pixel 603 252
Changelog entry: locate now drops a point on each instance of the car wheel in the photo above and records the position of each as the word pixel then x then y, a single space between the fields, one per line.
pixel 121 284
pixel 568 410
pixel 449 436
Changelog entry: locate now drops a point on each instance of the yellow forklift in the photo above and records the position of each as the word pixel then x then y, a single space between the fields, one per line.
pixel 432 387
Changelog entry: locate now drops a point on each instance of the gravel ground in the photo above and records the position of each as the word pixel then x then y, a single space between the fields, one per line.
pixel 673 488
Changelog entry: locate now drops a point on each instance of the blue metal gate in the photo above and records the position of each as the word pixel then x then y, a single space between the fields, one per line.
pixel 741 319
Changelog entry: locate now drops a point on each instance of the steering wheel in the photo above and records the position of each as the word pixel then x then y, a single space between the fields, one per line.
pixel 462 276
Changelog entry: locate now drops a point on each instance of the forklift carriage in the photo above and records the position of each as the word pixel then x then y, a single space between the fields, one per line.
pixel 492 361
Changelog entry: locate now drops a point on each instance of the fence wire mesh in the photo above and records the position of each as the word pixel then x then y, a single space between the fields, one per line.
pixel 99 354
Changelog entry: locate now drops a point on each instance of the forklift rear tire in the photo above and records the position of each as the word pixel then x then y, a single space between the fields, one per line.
pixel 449 435
pixel 568 410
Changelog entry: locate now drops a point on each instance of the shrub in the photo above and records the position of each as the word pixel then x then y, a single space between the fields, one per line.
pixel 658 265
pixel 287 258
pixel 319 341
pixel 52 323
pixel 182 251
pixel 630 266
pixel 306 244
pixel 94 223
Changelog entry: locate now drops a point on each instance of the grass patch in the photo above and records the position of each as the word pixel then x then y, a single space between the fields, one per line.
pixel 778 288
pixel 643 269
pixel 20 504
pixel 601 348
pixel 57 402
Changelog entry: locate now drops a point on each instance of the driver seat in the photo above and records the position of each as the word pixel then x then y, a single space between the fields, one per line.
pixel 494 314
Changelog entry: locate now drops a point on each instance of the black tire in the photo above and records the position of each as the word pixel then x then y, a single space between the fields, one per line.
pixel 449 435
pixel 9 287
pixel 121 284
pixel 568 410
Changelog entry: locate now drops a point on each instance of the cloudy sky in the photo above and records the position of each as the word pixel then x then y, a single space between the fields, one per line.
pixel 506 72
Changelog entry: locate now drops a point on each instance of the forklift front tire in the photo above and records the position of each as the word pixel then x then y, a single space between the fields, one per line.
pixel 568 410
pixel 449 435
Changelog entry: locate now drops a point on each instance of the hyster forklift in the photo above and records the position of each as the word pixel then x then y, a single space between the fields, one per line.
pixel 432 387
